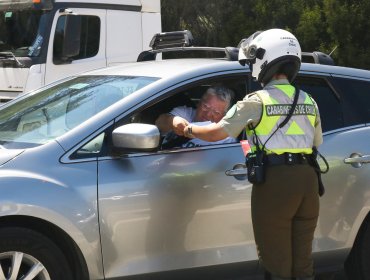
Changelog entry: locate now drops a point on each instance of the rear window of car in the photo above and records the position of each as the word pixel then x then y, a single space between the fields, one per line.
pixel 356 99
pixel 327 100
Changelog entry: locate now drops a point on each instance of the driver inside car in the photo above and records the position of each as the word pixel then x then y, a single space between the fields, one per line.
pixel 211 108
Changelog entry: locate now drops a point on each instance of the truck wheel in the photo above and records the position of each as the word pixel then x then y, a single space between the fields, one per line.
pixel 357 265
pixel 27 254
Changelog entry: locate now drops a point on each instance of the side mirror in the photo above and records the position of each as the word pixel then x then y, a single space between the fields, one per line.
pixel 67 39
pixel 136 136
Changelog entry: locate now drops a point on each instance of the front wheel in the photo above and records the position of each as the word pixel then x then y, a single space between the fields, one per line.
pixel 357 265
pixel 26 254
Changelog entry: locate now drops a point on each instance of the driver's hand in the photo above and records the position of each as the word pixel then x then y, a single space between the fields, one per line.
pixel 179 125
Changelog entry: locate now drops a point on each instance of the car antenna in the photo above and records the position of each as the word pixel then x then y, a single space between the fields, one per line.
pixel 333 50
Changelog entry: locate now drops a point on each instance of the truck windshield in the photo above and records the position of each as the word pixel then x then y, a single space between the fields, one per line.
pixel 42 116
pixel 22 31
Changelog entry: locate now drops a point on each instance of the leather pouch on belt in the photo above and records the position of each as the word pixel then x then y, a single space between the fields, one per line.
pixel 256 168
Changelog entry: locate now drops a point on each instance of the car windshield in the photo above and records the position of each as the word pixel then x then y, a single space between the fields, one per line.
pixel 48 113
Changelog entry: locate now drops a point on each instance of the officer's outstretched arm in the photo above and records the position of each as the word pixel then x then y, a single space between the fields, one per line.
pixel 210 133
pixel 168 122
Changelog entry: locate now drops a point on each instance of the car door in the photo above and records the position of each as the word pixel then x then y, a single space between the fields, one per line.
pixel 174 209
pixel 343 103
pixel 344 109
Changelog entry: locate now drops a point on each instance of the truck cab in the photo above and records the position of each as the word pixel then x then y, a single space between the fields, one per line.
pixel 42 41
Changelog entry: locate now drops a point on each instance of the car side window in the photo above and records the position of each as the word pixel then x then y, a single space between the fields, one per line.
pixel 356 99
pixel 327 100
pixel 185 100
pixel 91 149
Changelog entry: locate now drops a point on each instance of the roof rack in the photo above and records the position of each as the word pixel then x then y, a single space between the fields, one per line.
pixel 180 41
pixel 317 58
pixel 172 39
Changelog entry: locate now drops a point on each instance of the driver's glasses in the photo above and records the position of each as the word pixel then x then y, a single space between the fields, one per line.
pixel 207 108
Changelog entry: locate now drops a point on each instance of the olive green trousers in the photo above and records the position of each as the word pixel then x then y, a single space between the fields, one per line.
pixel 285 210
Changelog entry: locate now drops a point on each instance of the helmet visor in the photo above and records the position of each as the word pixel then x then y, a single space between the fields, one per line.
pixel 247 49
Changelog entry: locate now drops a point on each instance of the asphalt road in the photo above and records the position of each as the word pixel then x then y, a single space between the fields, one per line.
pixel 340 275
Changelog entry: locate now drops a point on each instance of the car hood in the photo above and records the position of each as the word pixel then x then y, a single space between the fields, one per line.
pixel 7 155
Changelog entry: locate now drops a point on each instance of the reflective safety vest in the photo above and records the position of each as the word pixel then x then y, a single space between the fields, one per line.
pixel 298 134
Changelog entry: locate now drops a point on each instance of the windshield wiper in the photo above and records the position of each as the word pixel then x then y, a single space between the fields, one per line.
pixel 11 55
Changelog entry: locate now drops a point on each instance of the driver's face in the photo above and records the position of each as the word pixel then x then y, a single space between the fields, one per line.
pixel 210 108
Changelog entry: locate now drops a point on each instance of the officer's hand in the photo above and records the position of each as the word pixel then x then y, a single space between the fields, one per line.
pixel 179 125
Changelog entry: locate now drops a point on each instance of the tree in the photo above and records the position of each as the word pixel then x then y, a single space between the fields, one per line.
pixel 319 25
pixel 348 25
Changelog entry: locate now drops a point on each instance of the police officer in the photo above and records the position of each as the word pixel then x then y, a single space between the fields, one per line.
pixel 285 200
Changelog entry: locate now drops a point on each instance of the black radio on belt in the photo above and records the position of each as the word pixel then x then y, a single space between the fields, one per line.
pixel 256 167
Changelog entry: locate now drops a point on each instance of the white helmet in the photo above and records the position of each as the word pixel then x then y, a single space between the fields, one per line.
pixel 270 52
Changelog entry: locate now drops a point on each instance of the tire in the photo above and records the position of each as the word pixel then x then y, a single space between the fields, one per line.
pixel 35 255
pixel 357 265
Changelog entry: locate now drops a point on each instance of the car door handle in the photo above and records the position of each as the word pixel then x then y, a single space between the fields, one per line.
pixel 239 171
pixel 357 159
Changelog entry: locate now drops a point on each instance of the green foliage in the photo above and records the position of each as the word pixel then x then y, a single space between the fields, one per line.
pixel 320 25
pixel 349 25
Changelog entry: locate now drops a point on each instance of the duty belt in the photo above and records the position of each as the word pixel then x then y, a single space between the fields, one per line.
pixel 286 158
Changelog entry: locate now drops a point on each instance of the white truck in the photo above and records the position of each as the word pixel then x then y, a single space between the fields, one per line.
pixel 45 40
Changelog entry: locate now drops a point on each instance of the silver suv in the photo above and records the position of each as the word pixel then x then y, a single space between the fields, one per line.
pixel 88 191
